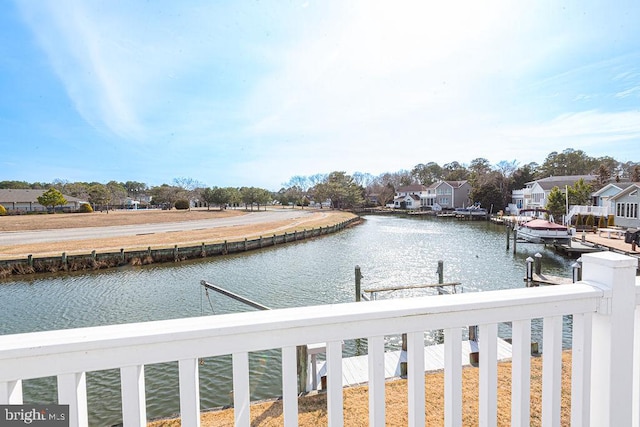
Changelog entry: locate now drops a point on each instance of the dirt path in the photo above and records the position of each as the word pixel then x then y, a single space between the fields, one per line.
pixel 42 235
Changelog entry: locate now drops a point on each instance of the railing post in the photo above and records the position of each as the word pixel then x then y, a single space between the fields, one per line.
pixel 72 391
pixel 189 384
pixel 134 405
pixel 612 337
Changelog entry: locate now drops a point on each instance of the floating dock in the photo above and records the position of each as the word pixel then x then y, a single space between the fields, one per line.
pixel 355 370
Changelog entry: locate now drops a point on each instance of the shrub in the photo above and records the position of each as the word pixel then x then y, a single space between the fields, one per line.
pixel 86 208
pixel 610 221
pixel 590 221
pixel 578 220
pixel 3 211
pixel 602 223
pixel 182 204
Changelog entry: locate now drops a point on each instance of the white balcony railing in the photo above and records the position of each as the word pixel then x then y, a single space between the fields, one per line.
pixel 605 371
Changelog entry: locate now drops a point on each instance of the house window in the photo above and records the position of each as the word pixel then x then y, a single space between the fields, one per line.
pixel 443 200
pixel 627 210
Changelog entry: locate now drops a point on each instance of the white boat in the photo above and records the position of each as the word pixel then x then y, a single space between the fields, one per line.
pixel 543 231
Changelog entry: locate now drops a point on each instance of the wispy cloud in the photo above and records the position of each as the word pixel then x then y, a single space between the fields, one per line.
pixel 628 92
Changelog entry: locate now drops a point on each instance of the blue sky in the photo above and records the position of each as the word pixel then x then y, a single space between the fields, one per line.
pixel 251 93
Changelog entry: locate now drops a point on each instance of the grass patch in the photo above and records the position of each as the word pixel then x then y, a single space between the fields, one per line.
pixel 312 409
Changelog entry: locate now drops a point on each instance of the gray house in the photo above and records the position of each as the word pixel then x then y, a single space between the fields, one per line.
pixel 450 194
pixel 27 201
pixel 626 206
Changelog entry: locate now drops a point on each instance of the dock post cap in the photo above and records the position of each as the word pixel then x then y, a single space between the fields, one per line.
pixel 538 255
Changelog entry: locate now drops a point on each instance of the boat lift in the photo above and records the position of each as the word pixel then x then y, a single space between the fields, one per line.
pixel 305 352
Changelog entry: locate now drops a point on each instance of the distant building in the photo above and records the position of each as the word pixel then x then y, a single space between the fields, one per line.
pixel 535 193
pixel 437 196
pixel 27 201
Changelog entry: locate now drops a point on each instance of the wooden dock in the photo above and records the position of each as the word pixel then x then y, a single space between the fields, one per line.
pixel 355 370
pixel 548 279
pixel 576 248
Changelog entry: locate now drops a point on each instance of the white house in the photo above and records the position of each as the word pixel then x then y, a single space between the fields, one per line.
pixel 410 197
pixel 535 193
pixel 437 196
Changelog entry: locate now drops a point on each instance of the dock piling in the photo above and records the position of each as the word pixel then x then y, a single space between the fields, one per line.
pixel 538 263
pixel 440 272
pixel 358 275
pixel 529 273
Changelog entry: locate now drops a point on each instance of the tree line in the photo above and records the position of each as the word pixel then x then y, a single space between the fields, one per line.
pixel 491 184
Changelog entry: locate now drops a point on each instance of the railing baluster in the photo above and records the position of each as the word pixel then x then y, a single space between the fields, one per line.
pixel 72 391
pixel 289 386
pixel 134 406
pixel 376 381
pixel 581 370
pixel 521 373
pixel 334 384
pixel 11 393
pixel 453 377
pixel 488 346
pixel 189 392
pixel 551 371
pixel 415 378
pixel 636 369
pixel 241 390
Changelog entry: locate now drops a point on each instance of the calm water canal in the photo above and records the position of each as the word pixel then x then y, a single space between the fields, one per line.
pixel 390 251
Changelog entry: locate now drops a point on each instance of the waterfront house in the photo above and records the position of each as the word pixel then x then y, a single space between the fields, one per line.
pixel 535 193
pixel 410 197
pixel 437 196
pixel 603 196
pixel 626 204
pixel 452 194
pixel 27 201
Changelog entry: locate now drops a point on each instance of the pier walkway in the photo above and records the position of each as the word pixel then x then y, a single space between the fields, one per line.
pixel 355 370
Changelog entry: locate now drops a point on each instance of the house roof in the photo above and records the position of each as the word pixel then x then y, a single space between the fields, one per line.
pixel 409 188
pixel 453 184
pixel 456 184
pixel 27 196
pixel 562 181
pixel 629 189
pixel 619 185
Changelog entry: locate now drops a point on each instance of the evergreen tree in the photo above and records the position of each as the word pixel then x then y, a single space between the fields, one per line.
pixel 556 203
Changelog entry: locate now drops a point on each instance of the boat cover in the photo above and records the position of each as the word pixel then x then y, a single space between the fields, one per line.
pixel 541 224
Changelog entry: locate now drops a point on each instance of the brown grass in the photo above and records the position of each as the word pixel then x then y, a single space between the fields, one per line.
pixel 312 409
pixel 320 218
